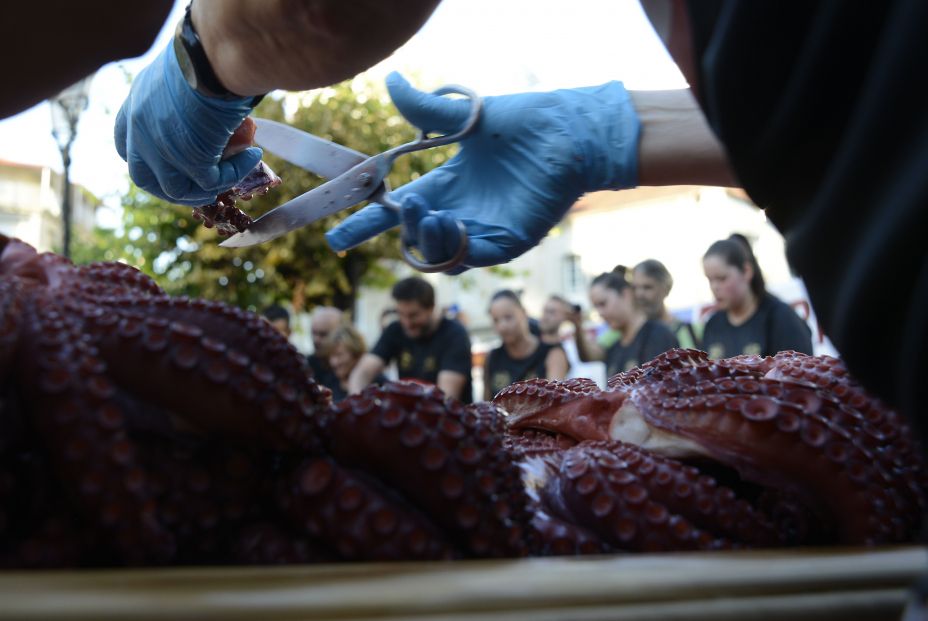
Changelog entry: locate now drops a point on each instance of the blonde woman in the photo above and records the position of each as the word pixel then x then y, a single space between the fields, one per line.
pixel 346 346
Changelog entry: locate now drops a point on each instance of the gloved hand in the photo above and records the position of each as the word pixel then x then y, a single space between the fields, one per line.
pixel 528 160
pixel 172 137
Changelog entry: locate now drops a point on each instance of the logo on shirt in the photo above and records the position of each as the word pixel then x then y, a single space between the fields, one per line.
pixel 429 364
pixel 716 351
pixel 752 349
pixel 405 360
pixel 501 379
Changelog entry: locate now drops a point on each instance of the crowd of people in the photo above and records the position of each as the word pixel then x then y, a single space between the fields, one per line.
pixel 434 346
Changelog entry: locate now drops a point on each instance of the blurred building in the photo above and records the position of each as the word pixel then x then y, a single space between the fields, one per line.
pixel 30 205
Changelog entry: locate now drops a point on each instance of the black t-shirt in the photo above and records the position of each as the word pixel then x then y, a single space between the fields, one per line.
pixel 446 349
pixel 339 393
pixel 322 373
pixel 773 327
pixel 653 338
pixel 503 369
pixel 815 103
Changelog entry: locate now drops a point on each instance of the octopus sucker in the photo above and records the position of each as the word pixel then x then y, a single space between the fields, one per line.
pixel 141 429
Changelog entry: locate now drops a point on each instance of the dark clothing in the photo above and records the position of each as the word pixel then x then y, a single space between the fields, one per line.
pixel 322 373
pixel 502 369
pixel 446 349
pixel 814 104
pixel 339 393
pixel 652 339
pixel 773 327
pixel 685 334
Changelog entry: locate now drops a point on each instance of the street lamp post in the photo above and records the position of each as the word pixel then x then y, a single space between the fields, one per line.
pixel 67 107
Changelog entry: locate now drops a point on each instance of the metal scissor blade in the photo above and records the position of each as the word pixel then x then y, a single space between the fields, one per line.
pixel 317 155
pixel 340 193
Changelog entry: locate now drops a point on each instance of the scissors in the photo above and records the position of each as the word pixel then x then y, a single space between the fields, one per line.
pixel 353 178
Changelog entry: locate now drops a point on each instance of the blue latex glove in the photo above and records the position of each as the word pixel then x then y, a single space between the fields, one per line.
pixel 529 159
pixel 172 137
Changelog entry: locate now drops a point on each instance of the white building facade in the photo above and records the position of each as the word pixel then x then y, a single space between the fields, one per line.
pixel 30 205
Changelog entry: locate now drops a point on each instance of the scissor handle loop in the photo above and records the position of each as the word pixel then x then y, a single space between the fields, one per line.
pixel 423 141
pixel 407 246
pixel 476 106
pixel 444 266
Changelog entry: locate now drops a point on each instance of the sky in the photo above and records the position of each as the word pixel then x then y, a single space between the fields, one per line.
pixel 490 46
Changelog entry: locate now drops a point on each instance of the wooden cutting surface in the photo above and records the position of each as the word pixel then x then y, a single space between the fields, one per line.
pixel 809 584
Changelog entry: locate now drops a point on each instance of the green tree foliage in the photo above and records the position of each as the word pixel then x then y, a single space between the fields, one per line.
pixel 166 242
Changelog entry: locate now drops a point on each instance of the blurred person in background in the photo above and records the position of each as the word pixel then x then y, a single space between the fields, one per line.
pixel 278 317
pixel 522 355
pixel 426 346
pixel 749 319
pixel 641 338
pixel 556 312
pixel 346 348
pixel 325 320
pixel 604 336
pixel 387 316
pixel 653 282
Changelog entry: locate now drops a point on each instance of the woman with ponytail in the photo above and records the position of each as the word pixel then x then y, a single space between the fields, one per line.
pixel 749 319
pixel 640 338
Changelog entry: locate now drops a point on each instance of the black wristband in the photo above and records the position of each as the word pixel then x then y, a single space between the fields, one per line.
pixel 195 66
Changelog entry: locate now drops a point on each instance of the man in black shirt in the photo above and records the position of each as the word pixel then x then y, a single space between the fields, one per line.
pixel 426 347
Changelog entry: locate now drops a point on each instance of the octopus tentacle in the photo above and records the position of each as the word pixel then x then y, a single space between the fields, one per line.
pixel 205 493
pixel 82 428
pixel 11 311
pixel 833 463
pixel 444 459
pixel 236 329
pixel 637 500
pixel 545 404
pixel 358 517
pixel 596 489
pixel 100 279
pixel 267 543
pixel 557 537
pixel 211 386
pixel 745 424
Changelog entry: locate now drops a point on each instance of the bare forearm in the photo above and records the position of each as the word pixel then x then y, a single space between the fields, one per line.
pixel 451 383
pixel 677 145
pixel 556 365
pixel 364 372
pixel 255 46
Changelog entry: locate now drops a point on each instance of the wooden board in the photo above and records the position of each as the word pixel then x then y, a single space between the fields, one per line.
pixel 767 585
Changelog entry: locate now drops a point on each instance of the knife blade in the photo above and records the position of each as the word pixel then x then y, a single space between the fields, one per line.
pixel 317 155
pixel 339 193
